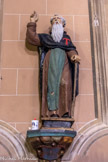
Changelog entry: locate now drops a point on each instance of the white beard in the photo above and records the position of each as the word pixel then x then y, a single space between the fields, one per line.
pixel 57 32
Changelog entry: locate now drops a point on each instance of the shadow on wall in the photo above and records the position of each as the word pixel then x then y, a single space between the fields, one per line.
pixel 30 47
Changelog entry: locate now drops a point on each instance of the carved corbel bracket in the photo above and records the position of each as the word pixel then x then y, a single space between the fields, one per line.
pixel 51 143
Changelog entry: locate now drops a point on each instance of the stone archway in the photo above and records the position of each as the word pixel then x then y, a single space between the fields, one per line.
pixel 12 144
pixel 84 141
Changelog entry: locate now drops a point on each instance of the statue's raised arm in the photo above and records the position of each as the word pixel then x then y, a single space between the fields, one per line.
pixel 34 17
pixel 58 55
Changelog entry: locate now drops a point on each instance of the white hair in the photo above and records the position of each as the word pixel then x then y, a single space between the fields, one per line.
pixel 62 19
pixel 57 32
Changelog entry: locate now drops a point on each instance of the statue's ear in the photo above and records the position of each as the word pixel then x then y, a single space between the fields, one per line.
pixel 64 25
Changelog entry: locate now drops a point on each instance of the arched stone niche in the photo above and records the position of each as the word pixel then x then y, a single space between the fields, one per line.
pixel 12 144
pixel 96 130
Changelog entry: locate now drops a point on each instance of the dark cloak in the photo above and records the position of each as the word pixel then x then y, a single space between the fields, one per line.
pixel 48 43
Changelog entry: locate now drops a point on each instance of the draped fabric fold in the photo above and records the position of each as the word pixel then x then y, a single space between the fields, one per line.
pixel 56 64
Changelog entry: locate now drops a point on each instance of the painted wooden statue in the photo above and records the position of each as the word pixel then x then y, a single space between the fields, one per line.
pixel 59 86
pixel 56 66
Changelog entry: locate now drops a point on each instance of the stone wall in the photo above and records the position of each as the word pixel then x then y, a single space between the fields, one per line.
pixel 19 94
pixel 19 87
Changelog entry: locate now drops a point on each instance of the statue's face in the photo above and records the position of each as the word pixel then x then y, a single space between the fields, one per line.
pixel 56 20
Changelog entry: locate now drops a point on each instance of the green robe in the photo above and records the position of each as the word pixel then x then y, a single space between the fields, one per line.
pixel 56 64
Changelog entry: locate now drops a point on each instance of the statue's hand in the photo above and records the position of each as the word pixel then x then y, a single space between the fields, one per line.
pixel 34 17
pixel 75 58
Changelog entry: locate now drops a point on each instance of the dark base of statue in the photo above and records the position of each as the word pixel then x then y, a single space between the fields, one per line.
pixel 53 139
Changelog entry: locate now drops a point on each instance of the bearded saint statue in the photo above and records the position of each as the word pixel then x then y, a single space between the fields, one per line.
pixel 57 55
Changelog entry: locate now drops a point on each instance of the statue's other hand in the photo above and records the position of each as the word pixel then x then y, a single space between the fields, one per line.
pixel 34 17
pixel 75 58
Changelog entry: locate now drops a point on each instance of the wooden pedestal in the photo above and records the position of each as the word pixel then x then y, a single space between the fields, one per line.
pixel 52 140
